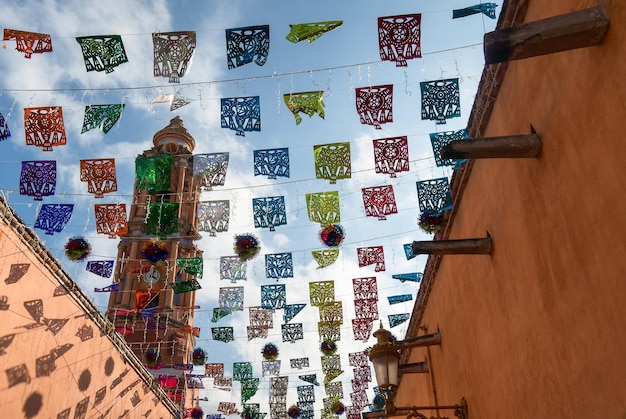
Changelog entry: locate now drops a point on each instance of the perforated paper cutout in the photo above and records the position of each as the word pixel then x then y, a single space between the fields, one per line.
pixel 153 173
pixel 291 310
pixel 273 162
pixel 241 114
pixel 28 42
pixel 38 178
pixel 102 52
pixel 213 216
pixel 332 161
pixel 292 332
pixel 396 319
pixel 362 329
pixel 209 170
pixel 440 100
pixel 366 309
pixel 269 212
pixel 365 288
pixel 111 219
pixel 100 176
pixel 299 363
pixel 375 105
pixel 323 207
pixel 311 31
pixel 439 140
pixel 231 298
pixel 232 268
pixel 279 265
pixel 103 268
pixel 372 255
pixel 247 44
pixel 53 218
pixel 321 292
pixel 434 194
pixel 399 38
pixel 379 201
pixel 44 127
pixel 102 117
pixel 273 296
pixel 325 258
pixel 173 53
pixel 329 331
pixel 308 103
pixel 391 155
pixel 223 334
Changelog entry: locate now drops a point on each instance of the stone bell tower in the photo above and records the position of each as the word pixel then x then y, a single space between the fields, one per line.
pixel 145 309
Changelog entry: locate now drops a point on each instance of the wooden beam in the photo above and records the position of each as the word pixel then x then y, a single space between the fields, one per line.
pixel 420 341
pixel 512 146
pixel 416 367
pixel 453 247
pixel 584 28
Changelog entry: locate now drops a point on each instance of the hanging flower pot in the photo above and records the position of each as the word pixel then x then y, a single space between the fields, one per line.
pixel 246 246
pixel 328 347
pixel 246 414
pixel 270 351
pixel 378 402
pixel 154 250
pixel 199 356
pixel 338 407
pixel 152 359
pixel 196 413
pixel 77 249
pixel 430 221
pixel 332 235
pixel 293 412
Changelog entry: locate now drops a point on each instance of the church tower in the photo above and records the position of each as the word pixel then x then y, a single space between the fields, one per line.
pixel 158 262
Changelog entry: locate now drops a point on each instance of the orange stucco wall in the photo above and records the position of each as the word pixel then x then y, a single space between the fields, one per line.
pixel 536 329
pixel 55 361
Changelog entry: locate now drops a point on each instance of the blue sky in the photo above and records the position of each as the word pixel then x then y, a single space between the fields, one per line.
pixel 338 62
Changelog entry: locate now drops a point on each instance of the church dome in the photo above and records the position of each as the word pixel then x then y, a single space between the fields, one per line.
pixel 174 137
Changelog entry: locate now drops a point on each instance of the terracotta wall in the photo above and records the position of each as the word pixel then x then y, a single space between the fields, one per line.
pixel 55 360
pixel 537 328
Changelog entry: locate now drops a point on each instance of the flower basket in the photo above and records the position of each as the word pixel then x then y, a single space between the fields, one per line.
pixel 199 356
pixel 152 359
pixel 293 412
pixel 332 235
pixel 328 347
pixel 430 221
pixel 246 414
pixel 154 250
pixel 378 402
pixel 270 351
pixel 77 249
pixel 196 413
pixel 246 246
pixel 338 407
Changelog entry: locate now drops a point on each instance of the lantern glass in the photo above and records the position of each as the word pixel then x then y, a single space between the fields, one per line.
pixel 386 369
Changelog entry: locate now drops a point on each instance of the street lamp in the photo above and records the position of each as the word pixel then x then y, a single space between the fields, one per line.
pixel 385 356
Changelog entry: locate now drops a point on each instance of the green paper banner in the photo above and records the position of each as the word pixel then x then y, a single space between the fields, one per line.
pixel 153 173
pixel 308 103
pixel 192 266
pixel 311 31
pixel 162 218
pixel 186 286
